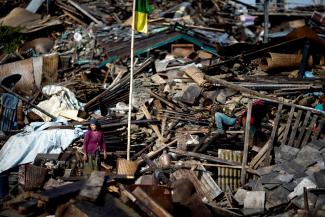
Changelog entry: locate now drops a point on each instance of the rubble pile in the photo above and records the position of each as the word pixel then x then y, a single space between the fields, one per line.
pixel 227 119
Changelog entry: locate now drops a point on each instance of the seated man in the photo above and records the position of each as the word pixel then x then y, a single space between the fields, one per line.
pixel 222 120
pixel 259 110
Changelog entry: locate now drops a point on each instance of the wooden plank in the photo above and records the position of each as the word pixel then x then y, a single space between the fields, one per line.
pixel 302 129
pixel 169 104
pixel 74 18
pixel 280 132
pixel 319 129
pixel 308 133
pixel 294 128
pixel 287 129
pixel 153 126
pixel 76 5
pixel 93 186
pixel 60 193
pixel 246 142
pixel 257 159
pixel 148 205
pixel 155 153
pixel 274 130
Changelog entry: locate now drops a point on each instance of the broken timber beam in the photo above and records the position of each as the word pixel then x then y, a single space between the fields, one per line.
pixel 286 132
pixel 171 105
pixel 155 153
pixel 260 156
pixel 74 4
pixel 153 126
pixel 259 95
pixel 274 130
pixel 148 205
pixel 246 142
pixel 203 156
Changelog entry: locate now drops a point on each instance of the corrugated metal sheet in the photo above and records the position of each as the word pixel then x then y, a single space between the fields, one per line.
pixel 126 167
pixel 207 189
pixel 229 176
pixel 31 177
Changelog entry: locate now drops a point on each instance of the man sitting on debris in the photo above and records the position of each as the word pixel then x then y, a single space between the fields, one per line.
pixel 222 120
pixel 93 145
pixel 259 110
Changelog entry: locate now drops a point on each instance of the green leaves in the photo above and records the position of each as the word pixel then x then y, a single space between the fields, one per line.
pixel 10 39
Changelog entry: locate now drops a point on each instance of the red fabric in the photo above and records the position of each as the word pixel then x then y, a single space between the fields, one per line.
pixel 92 141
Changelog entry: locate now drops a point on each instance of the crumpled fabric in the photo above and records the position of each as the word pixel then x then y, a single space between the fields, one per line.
pixel 63 103
pixel 23 147
pixel 9 101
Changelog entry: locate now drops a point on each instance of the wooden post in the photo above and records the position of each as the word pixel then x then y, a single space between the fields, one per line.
pixel 246 142
pixel 273 134
pixel 266 21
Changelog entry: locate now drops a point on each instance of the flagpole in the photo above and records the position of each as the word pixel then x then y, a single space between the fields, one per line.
pixel 131 83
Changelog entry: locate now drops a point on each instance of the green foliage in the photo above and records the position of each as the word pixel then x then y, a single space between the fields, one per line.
pixel 10 39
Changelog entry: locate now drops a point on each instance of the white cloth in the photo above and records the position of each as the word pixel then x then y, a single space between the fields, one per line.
pixel 62 104
pixel 23 147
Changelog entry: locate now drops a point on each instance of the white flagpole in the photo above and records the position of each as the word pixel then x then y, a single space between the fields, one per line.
pixel 131 83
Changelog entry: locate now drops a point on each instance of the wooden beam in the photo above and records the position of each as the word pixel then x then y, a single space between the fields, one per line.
pixel 308 133
pixel 294 128
pixel 153 126
pixel 74 4
pixel 148 205
pixel 302 130
pixel 319 129
pixel 203 156
pixel 155 153
pixel 253 93
pixel 246 142
pixel 259 157
pixel 274 130
pixel 169 104
pixel 287 129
